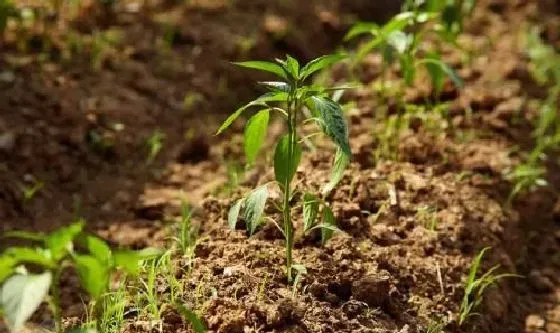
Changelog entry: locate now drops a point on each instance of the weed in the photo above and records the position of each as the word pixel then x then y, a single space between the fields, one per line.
pixel 475 287
pixel 29 192
pixel 436 326
pixel 288 99
pixel 428 216
pixel 155 144
pixel 187 234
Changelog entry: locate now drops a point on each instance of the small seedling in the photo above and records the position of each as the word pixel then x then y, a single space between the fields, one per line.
pixel 155 144
pixel 29 192
pixel 288 98
pixel 395 43
pixel 475 287
pixel 187 233
pixel 22 293
pixel 545 67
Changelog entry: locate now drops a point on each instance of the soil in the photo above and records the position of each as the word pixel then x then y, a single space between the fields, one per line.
pixel 411 225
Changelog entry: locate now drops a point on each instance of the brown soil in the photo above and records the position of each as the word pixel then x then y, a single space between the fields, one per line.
pixel 386 272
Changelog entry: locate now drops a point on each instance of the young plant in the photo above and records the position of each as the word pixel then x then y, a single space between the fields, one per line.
pixel 400 39
pixel 288 98
pixel 545 68
pixel 155 144
pixel 22 293
pixel 475 287
pixel 187 233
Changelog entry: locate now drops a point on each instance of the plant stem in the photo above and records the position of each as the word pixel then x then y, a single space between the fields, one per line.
pixel 55 290
pixel 288 226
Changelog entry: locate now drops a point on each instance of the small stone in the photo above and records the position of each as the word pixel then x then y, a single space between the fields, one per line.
pixel 7 76
pixel 534 322
pixel 540 283
pixel 372 289
pixel 7 141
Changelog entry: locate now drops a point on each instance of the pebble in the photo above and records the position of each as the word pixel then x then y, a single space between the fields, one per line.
pixel 7 141
pixel 534 322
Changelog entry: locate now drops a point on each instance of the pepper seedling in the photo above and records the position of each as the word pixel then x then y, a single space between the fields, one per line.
pixel 21 292
pixel 288 98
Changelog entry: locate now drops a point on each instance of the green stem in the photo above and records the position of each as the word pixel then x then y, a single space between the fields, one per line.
pixel 288 226
pixel 55 290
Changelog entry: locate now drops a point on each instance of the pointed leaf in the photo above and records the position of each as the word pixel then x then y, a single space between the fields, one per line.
pixel 60 242
pixel 197 323
pixel 328 220
pixel 320 63
pixel 25 255
pixel 234 214
pixel 292 66
pixel 333 121
pixel 255 134
pixel 25 235
pixel 437 75
pixel 21 295
pixel 310 210
pixel 437 68
pixel 128 260
pixel 264 66
pixel 254 208
pixel 94 275
pixel 274 96
pixel 96 247
pixel 360 28
pixel 283 170
pixel 341 161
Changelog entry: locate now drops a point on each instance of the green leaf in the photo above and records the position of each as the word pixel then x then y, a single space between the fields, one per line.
pixel 96 247
pixel 264 66
pixel 360 28
pixel 149 253
pixel 437 75
pixel 437 68
pixel 366 48
pixel 291 66
pixel 234 214
pixel 31 256
pixel 469 284
pixel 398 23
pixel 310 210
pixel 94 275
pixel 276 86
pixel 341 161
pixel 333 122
pixel 7 265
pixel 31 236
pixel 254 208
pixel 21 295
pixel 320 63
pixel 255 134
pixel 274 96
pixel 282 170
pixel 328 221
pixel 197 323
pixel 128 260
pixel 60 241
